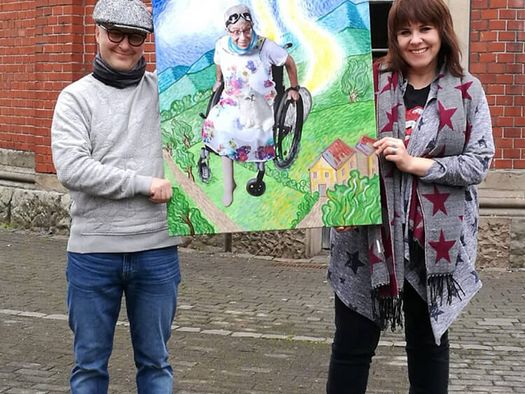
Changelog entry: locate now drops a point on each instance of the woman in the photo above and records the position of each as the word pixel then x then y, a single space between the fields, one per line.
pixel 435 144
pixel 240 126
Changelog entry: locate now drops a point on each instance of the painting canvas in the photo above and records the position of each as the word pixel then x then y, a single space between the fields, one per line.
pixel 317 167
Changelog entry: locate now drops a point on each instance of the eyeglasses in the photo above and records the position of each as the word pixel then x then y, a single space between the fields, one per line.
pixel 237 33
pixel 233 18
pixel 117 36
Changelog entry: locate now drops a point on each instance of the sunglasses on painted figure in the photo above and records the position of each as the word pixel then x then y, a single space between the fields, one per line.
pixel 233 18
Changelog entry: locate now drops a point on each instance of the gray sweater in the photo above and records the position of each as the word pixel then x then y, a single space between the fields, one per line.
pixel 106 145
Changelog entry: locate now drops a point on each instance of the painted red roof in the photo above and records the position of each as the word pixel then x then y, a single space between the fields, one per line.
pixel 337 153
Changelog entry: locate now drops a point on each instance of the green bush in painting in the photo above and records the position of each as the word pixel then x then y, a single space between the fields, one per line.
pixel 179 106
pixel 183 219
pixel 356 202
pixel 284 179
pixel 178 140
pixel 356 82
pixel 305 207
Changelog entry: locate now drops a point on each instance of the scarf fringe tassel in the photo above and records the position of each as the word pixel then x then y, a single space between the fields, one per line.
pixel 437 284
pixel 388 309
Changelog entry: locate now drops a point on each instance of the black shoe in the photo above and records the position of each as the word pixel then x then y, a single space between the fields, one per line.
pixel 204 166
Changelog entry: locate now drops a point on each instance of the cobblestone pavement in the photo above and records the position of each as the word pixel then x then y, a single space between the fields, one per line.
pixel 244 325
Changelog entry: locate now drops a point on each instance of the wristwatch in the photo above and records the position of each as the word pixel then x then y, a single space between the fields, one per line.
pixel 296 88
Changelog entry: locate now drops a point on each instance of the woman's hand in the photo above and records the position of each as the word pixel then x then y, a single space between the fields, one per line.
pixel 344 229
pixel 393 149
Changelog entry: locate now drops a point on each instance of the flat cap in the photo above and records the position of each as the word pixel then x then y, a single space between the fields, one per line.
pixel 124 14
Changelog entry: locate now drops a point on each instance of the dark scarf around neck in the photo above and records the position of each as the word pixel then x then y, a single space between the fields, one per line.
pixel 118 79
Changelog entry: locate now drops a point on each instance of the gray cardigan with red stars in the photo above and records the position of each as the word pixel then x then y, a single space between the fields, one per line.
pixel 350 270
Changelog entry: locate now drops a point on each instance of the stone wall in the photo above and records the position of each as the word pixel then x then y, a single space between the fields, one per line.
pixel 285 244
pixel 517 244
pixel 494 242
pixel 282 244
pixel 37 210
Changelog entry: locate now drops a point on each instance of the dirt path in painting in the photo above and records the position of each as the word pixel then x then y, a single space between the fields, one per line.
pixel 220 220
pixel 315 217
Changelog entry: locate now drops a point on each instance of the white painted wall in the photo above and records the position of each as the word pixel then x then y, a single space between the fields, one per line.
pixel 460 10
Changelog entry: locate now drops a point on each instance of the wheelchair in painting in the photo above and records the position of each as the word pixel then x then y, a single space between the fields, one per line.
pixel 289 117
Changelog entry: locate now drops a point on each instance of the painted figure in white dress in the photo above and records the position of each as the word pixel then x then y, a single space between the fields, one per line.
pixel 239 127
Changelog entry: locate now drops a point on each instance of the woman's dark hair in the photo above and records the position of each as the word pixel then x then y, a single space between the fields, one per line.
pixel 432 12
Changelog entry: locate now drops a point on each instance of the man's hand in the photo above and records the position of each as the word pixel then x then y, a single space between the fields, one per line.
pixel 160 191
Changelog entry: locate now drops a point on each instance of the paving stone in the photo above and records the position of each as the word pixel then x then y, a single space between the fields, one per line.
pixel 243 325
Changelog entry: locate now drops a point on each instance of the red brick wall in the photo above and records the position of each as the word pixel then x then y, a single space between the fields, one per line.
pixel 44 46
pixel 47 44
pixel 497 57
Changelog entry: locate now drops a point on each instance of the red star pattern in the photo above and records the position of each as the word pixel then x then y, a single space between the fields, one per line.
pixel 438 201
pixel 392 118
pixel 372 257
pixel 391 84
pixel 445 116
pixel 464 90
pixel 442 247
pixel 419 228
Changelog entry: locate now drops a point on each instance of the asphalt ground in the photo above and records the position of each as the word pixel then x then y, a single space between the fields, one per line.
pixel 243 325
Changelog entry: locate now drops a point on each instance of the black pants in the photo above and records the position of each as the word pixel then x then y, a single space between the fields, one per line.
pixel 356 339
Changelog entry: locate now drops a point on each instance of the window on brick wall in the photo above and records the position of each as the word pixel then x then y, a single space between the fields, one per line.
pixel 378 26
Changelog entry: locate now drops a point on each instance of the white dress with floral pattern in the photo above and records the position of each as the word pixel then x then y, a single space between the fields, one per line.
pixel 240 125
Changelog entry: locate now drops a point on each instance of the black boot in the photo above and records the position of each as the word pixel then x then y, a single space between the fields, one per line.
pixel 204 165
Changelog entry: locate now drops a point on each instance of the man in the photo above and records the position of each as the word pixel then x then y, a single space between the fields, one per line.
pixel 106 144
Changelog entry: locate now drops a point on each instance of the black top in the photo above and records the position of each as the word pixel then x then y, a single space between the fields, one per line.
pixel 416 97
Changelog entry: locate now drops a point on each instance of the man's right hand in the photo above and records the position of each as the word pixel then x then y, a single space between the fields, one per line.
pixel 160 191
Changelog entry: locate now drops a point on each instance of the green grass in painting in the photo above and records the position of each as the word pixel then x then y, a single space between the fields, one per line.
pixel 333 116
pixel 276 208
pixel 175 228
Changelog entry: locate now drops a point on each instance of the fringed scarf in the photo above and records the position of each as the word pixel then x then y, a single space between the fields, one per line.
pixel 441 206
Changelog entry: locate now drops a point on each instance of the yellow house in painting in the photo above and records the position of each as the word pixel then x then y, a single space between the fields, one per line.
pixel 367 163
pixel 335 163
pixel 332 167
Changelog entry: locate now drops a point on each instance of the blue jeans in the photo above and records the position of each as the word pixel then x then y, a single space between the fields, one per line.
pixel 96 282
